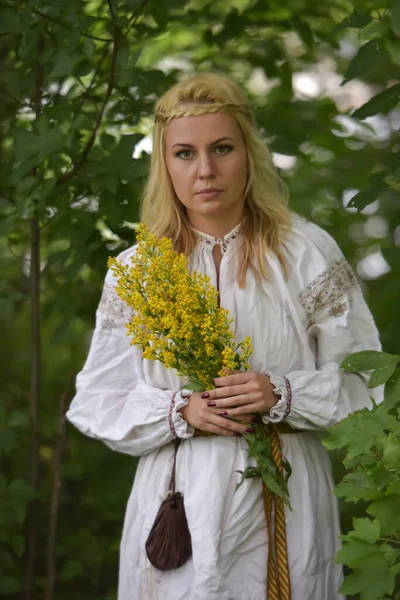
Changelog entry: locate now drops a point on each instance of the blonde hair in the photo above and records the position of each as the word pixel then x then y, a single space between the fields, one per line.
pixel 266 219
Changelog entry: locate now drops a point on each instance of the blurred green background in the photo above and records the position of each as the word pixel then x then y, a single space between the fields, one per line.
pixel 77 88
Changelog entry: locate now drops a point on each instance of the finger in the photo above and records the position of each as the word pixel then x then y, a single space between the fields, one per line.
pixel 229 391
pixel 243 402
pixel 234 379
pixel 248 409
pixel 222 423
pixel 248 418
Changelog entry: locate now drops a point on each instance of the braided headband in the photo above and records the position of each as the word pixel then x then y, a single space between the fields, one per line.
pixel 196 111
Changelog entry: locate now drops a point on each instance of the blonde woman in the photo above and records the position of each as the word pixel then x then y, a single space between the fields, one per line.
pixel 214 190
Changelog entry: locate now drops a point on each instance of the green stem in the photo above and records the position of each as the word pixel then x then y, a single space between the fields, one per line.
pixel 389 540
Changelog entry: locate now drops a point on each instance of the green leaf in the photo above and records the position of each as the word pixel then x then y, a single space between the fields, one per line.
pixel 17 543
pixel 380 376
pixel 365 360
pixel 396 16
pixel 381 103
pixel 383 364
pixel 354 551
pixel 356 19
pixel 374 29
pixel 51 140
pixel 9 585
pixel 8 441
pixel 372 580
pixel 386 511
pixel 392 390
pixel 391 451
pixel 71 570
pixel 393 48
pixel 26 144
pixel 159 12
pixel 365 197
pixel 272 484
pixel 357 485
pixel 366 530
pixel 364 58
pixel 64 64
pixel 343 434
pixel 19 418
pixel 233 26
pixel 195 386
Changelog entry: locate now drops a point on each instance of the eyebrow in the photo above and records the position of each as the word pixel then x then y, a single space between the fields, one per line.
pixel 212 144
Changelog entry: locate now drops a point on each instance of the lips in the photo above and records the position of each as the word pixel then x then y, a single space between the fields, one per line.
pixel 209 190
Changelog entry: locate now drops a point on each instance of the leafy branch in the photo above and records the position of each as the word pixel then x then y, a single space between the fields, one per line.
pixel 36 358
pixel 42 15
pixel 67 26
pixel 372 441
pixel 78 165
pixel 111 10
pixel 57 483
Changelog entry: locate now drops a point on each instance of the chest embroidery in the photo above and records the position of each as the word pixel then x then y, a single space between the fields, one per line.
pixel 326 290
pixel 114 311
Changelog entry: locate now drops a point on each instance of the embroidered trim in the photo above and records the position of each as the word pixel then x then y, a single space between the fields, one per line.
pixel 222 242
pixel 326 289
pixel 171 423
pixel 289 397
pixel 114 310
pixel 338 310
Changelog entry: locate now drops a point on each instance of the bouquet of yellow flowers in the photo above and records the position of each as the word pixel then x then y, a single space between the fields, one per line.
pixel 178 322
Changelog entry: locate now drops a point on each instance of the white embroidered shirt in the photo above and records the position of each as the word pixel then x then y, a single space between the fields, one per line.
pixel 301 330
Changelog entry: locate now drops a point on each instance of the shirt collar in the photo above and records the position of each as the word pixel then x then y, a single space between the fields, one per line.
pixel 210 239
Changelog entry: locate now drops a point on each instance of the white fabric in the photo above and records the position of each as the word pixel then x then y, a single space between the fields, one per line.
pixel 301 328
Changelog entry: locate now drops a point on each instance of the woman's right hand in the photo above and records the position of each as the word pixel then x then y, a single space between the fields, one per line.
pixel 203 417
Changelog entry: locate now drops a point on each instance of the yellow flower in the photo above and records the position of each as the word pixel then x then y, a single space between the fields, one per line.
pixel 176 315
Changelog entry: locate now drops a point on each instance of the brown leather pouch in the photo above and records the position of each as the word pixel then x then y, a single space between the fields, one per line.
pixel 169 544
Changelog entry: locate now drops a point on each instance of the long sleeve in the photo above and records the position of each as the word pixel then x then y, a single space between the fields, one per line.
pixel 338 323
pixel 113 402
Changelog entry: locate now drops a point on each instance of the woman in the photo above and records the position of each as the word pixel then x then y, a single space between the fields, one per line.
pixel 214 190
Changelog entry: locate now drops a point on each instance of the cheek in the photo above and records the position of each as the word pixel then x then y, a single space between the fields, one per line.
pixel 239 168
pixel 180 179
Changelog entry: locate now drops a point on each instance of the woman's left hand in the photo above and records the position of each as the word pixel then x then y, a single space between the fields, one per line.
pixel 241 393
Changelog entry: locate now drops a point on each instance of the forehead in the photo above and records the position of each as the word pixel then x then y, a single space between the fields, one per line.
pixel 203 129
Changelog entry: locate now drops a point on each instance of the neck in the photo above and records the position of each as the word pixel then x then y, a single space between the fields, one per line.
pixel 217 228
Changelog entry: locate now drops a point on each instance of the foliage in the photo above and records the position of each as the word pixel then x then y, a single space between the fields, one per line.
pixel 371 439
pixel 77 87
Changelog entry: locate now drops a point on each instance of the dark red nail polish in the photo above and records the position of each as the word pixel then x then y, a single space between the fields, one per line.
pixel 249 430
pixel 253 419
pixel 211 404
pixel 223 413
pixel 205 395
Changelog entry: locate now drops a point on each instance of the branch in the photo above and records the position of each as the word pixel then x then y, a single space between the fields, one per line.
pixel 36 363
pixel 82 84
pixel 15 99
pixel 134 17
pixel 78 165
pixel 67 26
pixel 111 10
pixel 55 499
pixel 57 22
pixel 390 540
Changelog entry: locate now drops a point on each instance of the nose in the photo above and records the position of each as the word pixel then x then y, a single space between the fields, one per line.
pixel 206 167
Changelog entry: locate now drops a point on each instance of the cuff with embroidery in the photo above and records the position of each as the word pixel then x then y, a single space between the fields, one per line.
pixel 282 408
pixel 177 424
